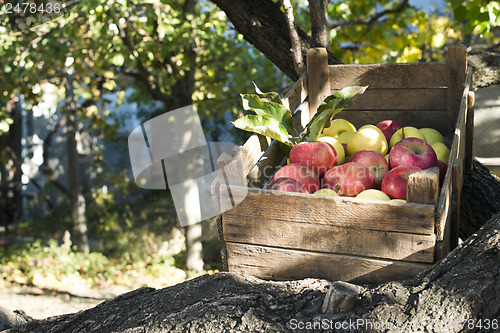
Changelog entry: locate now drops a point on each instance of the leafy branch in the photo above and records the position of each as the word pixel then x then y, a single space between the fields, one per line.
pixel 274 120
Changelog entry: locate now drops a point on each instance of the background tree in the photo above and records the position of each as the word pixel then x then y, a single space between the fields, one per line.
pixel 175 53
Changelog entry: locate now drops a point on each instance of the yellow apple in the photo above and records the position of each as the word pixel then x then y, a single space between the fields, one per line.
pixel 367 137
pixel 398 200
pixel 337 145
pixel 387 157
pixel 338 126
pixel 344 137
pixel 326 191
pixel 431 135
pixel 373 195
pixel 406 132
pixel 442 152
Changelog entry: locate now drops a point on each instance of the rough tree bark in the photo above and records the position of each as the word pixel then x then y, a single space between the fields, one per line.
pixel 319 22
pixel 459 293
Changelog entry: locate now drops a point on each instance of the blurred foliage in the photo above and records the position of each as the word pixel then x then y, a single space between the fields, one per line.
pixel 135 250
pixel 376 31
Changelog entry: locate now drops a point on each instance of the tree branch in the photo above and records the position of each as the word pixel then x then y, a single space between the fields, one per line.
pixel 263 24
pixel 294 37
pixel 319 22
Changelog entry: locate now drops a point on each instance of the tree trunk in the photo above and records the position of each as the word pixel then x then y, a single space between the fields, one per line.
pixel 77 201
pixel 194 247
pixel 319 22
pixel 460 293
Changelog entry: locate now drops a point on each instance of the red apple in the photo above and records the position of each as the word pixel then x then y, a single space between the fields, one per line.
pixel 287 185
pixel 388 127
pixel 395 181
pixel 442 171
pixel 374 161
pixel 317 155
pixel 413 152
pixel 302 174
pixel 348 179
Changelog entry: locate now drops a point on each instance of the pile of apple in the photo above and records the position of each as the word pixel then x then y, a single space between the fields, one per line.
pixel 372 162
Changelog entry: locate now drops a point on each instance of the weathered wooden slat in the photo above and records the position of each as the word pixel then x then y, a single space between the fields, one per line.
pixel 456 68
pixel 296 94
pixel 400 99
pixel 252 151
pixel 447 209
pixel 272 159
pixel 256 205
pixel 416 118
pixel 280 264
pixel 469 131
pixel 381 76
pixel 423 187
pixel 300 118
pixel 326 238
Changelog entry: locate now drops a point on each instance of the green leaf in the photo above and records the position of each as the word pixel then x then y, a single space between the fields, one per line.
pixel 268 96
pixel 332 105
pixel 265 125
pixel 252 102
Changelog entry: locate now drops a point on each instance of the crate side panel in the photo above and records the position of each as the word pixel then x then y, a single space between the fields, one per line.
pixel 296 94
pixel 413 75
pixel 330 239
pixel 254 204
pixel 447 207
pixel 400 99
pixel 280 264
pixel 272 159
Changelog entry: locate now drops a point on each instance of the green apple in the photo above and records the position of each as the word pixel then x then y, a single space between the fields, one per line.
pixel 387 157
pixel 398 200
pixel 406 132
pixel 442 152
pixel 431 135
pixel 373 195
pixel 368 137
pixel 344 137
pixel 326 191
pixel 338 126
pixel 337 145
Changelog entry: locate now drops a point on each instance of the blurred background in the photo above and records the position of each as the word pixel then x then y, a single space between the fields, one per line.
pixel 74 84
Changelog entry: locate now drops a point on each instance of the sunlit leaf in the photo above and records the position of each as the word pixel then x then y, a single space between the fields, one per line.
pixel 265 125
pixel 252 102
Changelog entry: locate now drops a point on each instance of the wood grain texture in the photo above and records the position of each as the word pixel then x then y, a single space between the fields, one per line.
pixel 456 69
pixel 469 131
pixel 384 76
pixel 400 99
pixel 271 160
pixel 330 239
pixel 280 264
pixel 252 151
pixel 254 205
pixel 423 187
pixel 447 208
pixel 296 94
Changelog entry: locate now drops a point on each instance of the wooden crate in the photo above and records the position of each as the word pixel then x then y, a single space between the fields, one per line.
pixel 283 235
